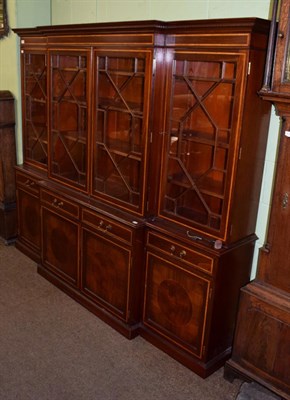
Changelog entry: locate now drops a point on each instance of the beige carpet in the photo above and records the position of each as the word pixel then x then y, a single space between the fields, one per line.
pixel 51 348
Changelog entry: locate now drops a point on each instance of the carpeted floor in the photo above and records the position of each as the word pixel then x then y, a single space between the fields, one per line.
pixel 51 348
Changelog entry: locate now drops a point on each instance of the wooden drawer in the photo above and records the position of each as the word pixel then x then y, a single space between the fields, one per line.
pixel 106 225
pixel 184 254
pixel 60 204
pixel 27 182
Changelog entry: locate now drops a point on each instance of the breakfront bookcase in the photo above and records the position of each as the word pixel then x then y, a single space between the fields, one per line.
pixel 143 147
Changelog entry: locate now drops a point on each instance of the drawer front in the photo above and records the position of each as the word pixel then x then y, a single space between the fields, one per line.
pixel 60 204
pixel 106 225
pixel 184 254
pixel 27 183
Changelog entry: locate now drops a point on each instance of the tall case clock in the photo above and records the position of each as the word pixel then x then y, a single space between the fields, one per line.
pixel 261 350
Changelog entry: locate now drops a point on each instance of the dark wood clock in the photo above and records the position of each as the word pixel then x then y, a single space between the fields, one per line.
pixel 261 350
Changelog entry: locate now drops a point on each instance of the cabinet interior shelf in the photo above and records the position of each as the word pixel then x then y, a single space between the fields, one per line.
pixel 80 101
pixel 35 99
pixel 120 149
pixel 198 137
pixel 201 190
pixel 119 106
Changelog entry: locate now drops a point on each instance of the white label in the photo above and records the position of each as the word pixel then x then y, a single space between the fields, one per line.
pixel 287 133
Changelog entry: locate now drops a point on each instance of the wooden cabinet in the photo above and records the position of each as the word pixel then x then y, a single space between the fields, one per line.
pixel 186 310
pixel 153 162
pixel 8 220
pixel 261 350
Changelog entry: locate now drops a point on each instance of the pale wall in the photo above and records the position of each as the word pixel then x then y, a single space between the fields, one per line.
pixel 26 13
pixel 74 11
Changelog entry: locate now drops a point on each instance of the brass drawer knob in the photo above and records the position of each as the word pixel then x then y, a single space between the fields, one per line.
pixel 182 254
pixel 172 249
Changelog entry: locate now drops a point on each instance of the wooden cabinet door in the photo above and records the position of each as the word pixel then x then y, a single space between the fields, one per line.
pixel 121 113
pixel 261 347
pixel 60 252
pixel 69 116
pixel 28 208
pixel 106 268
pixel 176 303
pixel 204 102
pixel 34 71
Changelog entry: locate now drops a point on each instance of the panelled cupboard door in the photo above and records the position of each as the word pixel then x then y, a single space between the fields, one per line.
pixel 106 272
pixel 204 100
pixel 60 253
pixel 34 97
pixel 69 116
pixel 261 347
pixel 28 208
pixel 176 303
pixel 120 132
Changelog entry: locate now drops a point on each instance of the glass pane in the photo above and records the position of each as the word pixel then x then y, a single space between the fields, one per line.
pixel 287 64
pixel 69 125
pixel 200 128
pixel 119 135
pixel 35 92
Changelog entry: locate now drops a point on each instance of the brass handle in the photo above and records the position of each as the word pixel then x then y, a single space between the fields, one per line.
pixel 103 228
pixel 182 254
pixel 57 203
pixel 172 249
pixel 28 182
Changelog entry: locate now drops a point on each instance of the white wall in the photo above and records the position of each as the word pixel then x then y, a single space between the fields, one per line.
pixel 74 11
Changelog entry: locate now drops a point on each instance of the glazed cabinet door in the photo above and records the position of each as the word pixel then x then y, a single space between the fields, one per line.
pixel 177 298
pixel 60 237
pixel 34 89
pixel 69 117
pixel 121 113
pixel 204 104
pixel 28 211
